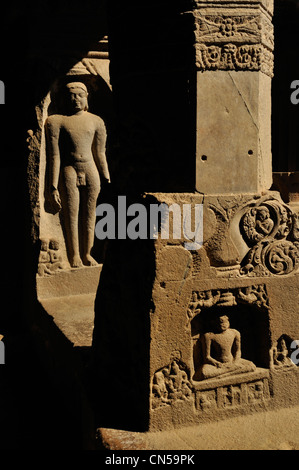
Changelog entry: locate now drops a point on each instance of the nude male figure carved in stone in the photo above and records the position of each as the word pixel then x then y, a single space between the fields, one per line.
pixel 76 144
pixel 222 351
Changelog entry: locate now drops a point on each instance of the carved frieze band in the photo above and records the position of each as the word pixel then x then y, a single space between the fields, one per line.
pixel 226 40
pixel 223 27
pixel 254 294
pixel 231 396
pixel 232 57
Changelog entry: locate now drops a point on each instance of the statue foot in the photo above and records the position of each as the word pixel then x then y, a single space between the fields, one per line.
pixel 90 261
pixel 76 262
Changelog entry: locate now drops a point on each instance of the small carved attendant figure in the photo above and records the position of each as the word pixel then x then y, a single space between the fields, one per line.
pixel 159 386
pixel 280 355
pixel 44 259
pixel 222 351
pixel 76 144
pixel 264 223
pixel 55 257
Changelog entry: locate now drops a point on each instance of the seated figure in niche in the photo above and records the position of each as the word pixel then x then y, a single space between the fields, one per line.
pixel 76 145
pixel 222 351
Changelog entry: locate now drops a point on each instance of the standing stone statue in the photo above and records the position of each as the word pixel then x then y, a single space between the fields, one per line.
pixel 76 145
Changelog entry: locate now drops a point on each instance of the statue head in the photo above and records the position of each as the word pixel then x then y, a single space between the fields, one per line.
pixel 78 95
pixel 44 245
pixel 54 245
pixel 263 213
pixel 223 322
pixel 220 322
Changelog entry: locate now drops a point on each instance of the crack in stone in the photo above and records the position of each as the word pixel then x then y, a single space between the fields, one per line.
pixel 246 106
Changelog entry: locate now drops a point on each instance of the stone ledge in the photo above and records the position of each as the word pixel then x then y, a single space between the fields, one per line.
pixel 72 282
pixel 270 430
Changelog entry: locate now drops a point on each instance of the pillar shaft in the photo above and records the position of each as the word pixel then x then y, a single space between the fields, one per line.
pixel 234 61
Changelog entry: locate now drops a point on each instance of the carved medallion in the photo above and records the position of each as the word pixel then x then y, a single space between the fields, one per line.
pixel 270 229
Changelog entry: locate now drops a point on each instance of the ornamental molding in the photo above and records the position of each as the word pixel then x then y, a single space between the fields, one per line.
pixel 228 38
pixel 232 57
pixel 220 27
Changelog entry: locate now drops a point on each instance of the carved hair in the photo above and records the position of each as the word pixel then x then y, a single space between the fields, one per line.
pixel 80 85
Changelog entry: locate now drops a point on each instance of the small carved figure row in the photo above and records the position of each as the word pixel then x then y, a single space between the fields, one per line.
pixel 233 395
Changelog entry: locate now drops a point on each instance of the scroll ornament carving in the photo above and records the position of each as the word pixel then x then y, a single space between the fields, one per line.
pixel 271 231
pixel 253 57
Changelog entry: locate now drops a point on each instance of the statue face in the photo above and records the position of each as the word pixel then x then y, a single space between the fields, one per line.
pixel 263 214
pixel 223 323
pixel 78 99
pixel 44 245
pixel 53 245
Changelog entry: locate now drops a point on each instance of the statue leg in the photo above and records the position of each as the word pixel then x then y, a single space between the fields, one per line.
pixel 89 203
pixel 209 371
pixel 70 205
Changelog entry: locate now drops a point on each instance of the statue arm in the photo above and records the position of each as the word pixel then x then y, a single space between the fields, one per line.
pixel 237 346
pixel 52 137
pixel 99 151
pixel 207 358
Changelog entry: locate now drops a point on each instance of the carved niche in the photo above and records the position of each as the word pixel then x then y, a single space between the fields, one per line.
pixel 230 333
pixel 91 72
pixel 247 381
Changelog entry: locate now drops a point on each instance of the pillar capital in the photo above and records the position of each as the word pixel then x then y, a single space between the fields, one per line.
pixel 234 36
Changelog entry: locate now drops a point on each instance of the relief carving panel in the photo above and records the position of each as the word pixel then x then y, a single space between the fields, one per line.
pixel 234 39
pixel 270 229
pixel 232 57
pixel 171 383
pixel 231 396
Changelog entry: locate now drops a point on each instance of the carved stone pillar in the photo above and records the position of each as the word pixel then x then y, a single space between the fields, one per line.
pixel 234 61
pixel 157 301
